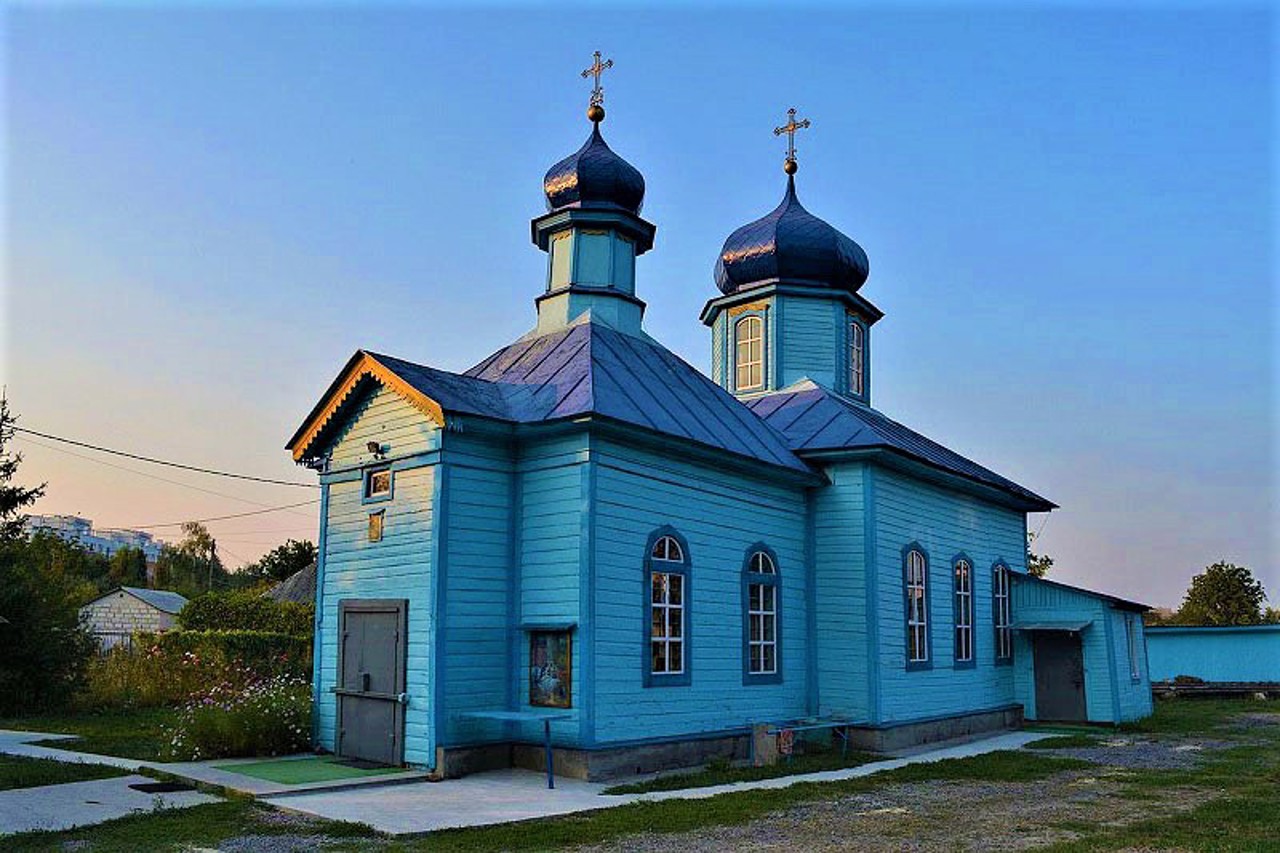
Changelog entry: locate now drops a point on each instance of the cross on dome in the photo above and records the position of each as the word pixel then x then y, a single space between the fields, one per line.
pixel 790 128
pixel 595 111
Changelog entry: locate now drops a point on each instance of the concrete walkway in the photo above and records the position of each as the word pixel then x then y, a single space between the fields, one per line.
pixel 513 795
pixel 84 803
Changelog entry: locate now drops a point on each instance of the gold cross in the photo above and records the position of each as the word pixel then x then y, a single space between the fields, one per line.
pixel 597 68
pixel 790 129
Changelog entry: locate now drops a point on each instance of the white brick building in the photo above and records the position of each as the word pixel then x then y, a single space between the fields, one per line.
pixel 114 617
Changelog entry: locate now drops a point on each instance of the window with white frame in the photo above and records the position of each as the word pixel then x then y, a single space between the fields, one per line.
pixel 1003 613
pixel 377 483
pixel 762 614
pixel 1131 634
pixel 856 357
pixel 748 338
pixel 667 607
pixel 917 572
pixel 964 611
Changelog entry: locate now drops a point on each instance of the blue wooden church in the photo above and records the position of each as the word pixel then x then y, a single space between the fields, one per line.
pixel 585 535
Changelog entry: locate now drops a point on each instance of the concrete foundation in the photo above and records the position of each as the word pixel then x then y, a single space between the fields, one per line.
pixel 900 736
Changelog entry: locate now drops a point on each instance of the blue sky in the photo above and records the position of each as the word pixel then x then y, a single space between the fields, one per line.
pixel 1068 212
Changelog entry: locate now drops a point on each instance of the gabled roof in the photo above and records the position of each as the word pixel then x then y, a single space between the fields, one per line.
pixel 1122 603
pixel 585 369
pixel 299 587
pixel 814 418
pixel 160 599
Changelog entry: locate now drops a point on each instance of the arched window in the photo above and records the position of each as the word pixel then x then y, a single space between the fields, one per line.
pixel 666 652
pixel 915 568
pixel 962 572
pixel 761 638
pixel 856 357
pixel 1002 612
pixel 748 335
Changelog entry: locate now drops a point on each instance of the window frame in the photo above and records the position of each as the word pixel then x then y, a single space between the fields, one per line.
pixel 377 526
pixel 925 662
pixel 772 582
pixel 366 483
pixel 683 569
pixel 962 605
pixel 857 344
pixel 759 318
pixel 1002 619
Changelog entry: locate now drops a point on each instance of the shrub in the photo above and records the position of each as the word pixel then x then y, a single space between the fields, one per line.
pixel 271 717
pixel 243 610
pixel 173 667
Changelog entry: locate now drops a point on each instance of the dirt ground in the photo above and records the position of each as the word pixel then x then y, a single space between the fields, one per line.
pixel 986 816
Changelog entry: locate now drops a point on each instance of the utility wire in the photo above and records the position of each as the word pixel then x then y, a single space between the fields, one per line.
pixel 153 461
pixel 216 517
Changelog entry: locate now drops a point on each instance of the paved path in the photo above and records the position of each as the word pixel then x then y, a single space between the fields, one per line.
pixel 512 795
pixel 83 803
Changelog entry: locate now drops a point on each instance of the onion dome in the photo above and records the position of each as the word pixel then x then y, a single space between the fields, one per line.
pixel 790 246
pixel 594 177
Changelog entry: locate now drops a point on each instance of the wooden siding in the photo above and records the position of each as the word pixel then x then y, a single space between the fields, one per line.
pixel 475 629
pixel 945 523
pixel 842 623
pixel 721 515
pixel 1242 654
pixel 385 417
pixel 399 566
pixel 808 341
pixel 718 354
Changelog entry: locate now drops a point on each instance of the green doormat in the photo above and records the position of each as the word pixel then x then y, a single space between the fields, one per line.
pixel 302 771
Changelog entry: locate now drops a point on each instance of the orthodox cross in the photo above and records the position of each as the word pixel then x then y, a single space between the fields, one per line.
pixel 790 129
pixel 597 68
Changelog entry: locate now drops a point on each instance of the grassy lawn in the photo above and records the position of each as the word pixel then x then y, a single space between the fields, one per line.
pixel 1238 810
pixel 128 734
pixel 725 774
pixel 1064 742
pixel 20 772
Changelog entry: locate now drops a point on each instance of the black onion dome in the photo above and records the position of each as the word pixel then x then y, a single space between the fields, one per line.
pixel 790 245
pixel 594 177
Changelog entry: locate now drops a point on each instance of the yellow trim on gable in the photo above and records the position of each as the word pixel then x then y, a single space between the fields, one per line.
pixel 366 366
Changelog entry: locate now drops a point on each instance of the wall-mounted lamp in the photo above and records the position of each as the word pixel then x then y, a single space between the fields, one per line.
pixel 376 449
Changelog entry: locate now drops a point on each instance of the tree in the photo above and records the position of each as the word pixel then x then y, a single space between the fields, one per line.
pixel 192 566
pixel 43 646
pixel 1272 616
pixel 280 562
pixel 128 567
pixel 1037 565
pixel 1224 594
pixel 12 496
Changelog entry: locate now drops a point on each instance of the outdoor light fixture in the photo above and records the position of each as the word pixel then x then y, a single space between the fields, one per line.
pixel 375 449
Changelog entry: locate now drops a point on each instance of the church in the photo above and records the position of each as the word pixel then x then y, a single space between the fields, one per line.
pixel 585 539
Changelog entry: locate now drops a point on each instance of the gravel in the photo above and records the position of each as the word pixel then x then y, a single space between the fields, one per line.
pixel 1146 754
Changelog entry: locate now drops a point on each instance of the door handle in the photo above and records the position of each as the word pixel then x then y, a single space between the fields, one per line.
pixel 365 681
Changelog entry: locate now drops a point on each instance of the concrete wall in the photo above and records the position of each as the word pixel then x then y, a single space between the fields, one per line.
pixel 115 618
pixel 1239 653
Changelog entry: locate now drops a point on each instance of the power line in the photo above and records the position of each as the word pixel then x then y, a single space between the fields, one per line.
pixel 139 473
pixel 154 461
pixel 216 517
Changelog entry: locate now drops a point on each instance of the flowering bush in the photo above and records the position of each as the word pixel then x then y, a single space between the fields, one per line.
pixel 269 717
pixel 171 668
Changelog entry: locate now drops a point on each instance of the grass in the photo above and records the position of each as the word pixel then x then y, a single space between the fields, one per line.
pixel 183 829
pixel 128 734
pixel 1064 742
pixel 300 771
pixel 21 772
pixel 723 773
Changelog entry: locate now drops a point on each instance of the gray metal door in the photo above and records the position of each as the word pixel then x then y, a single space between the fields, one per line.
pixel 371 679
pixel 1059 663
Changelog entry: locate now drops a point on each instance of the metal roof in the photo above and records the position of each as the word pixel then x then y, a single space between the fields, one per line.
pixel 1074 625
pixel 299 587
pixel 814 418
pixel 161 599
pixel 1122 603
pixel 591 369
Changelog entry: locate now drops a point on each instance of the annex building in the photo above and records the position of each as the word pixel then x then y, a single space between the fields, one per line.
pixel 587 533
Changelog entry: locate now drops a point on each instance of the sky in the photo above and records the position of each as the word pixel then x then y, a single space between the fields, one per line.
pixel 1068 211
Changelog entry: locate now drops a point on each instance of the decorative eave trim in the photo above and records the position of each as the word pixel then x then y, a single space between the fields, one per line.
pixel 749 306
pixel 778 287
pixel 361 367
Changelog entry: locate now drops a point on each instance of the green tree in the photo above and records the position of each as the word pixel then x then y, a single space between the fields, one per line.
pixel 1038 565
pixel 280 562
pixel 192 566
pixel 43 646
pixel 1272 616
pixel 128 567
pixel 1224 594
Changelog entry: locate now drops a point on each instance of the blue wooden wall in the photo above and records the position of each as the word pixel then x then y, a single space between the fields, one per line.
pixel 809 345
pixel 720 513
pixel 1246 653
pixel 400 566
pixel 945 523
